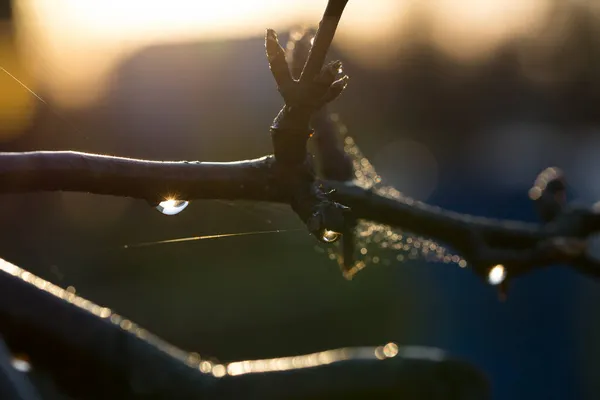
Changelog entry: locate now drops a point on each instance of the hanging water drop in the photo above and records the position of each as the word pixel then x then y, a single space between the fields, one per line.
pixel 497 275
pixel 330 236
pixel 172 206
pixel 21 363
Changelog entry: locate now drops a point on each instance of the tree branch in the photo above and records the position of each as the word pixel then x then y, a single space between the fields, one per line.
pixel 323 39
pixel 333 204
pixel 142 179
pixel 480 240
pixel 95 353
pixel 519 247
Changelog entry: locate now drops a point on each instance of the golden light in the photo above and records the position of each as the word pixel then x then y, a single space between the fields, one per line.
pixel 16 104
pixel 104 312
pixel 497 275
pixel 330 236
pixel 390 350
pixel 469 30
pixel 172 206
pixel 219 371
pixel 288 363
pixel 72 46
pixel 205 367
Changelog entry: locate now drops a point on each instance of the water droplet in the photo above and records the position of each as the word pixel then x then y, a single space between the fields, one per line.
pixel 172 206
pixel 330 236
pixel 497 275
pixel 378 243
pixel 21 363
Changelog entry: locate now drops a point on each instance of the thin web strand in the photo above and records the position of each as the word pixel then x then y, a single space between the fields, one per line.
pixel 378 243
pixel 207 237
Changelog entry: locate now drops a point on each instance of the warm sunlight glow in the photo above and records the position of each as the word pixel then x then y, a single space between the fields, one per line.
pixel 73 45
pixel 497 275
pixel 16 103
pixel 169 203
pixel 172 206
pixel 390 350
pixel 470 29
pixel 330 236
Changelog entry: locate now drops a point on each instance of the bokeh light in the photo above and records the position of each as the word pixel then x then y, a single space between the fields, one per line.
pixel 469 30
pixel 95 36
pixel 172 206
pixel 330 236
pixel 497 275
pixel 21 363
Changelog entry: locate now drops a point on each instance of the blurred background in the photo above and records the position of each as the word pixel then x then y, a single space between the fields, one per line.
pixel 460 103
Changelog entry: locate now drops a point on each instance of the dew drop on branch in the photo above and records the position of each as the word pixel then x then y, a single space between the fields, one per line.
pixel 21 363
pixel 497 275
pixel 330 236
pixel 172 206
pixel 378 244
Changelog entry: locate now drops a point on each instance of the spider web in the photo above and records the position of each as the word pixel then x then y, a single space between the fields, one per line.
pixel 375 243
pixel 378 243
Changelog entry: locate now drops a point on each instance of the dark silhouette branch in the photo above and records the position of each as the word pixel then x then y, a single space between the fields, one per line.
pixel 483 242
pixel 480 240
pixel 95 353
pixel 290 131
pixel 323 39
pixel 142 179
